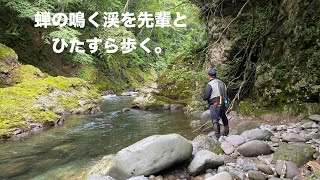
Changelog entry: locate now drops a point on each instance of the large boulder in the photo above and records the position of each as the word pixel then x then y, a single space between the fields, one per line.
pixel 246 125
pixel 221 176
pixel 254 148
pixel 287 169
pixel 8 66
pixel 204 160
pixel 257 134
pixel 203 142
pixel 298 153
pixel 149 156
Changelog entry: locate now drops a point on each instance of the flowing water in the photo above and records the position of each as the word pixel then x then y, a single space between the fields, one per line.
pixel 66 151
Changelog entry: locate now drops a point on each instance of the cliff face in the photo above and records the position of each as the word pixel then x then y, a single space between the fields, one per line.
pixel 267 51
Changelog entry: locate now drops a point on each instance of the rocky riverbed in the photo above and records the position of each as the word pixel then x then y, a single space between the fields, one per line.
pixel 252 152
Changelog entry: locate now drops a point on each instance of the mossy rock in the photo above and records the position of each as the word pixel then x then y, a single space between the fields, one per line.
pixel 8 66
pixel 299 153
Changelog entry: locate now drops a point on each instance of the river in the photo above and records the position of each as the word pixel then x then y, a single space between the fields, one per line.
pixel 66 151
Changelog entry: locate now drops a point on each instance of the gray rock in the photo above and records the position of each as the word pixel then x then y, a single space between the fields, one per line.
pixel 223 169
pixel 246 166
pixel 257 134
pixel 195 123
pixel 254 148
pixel 292 169
pixel 203 142
pixel 298 153
pixel 265 169
pixel 227 147
pixel 315 117
pixel 204 160
pixel 235 140
pixel 274 178
pixel 256 175
pixel 238 175
pixel 220 176
pixel 148 156
pixel 205 117
pixel 292 137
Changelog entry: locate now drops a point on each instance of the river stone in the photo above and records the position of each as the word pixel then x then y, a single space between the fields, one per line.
pixel 265 169
pixel 149 156
pixel 204 160
pixel 254 148
pixel 238 175
pixel 315 117
pixel 246 166
pixel 102 168
pixel 221 176
pixel 235 140
pixel 256 175
pixel 14 169
pixel 292 137
pixel 274 178
pixel 257 134
pixel 227 147
pixel 205 117
pixel 246 125
pixel 223 169
pixel 292 169
pixel 203 142
pixel 298 153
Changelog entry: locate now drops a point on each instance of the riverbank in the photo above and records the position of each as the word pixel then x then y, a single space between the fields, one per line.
pixel 32 101
pixel 253 152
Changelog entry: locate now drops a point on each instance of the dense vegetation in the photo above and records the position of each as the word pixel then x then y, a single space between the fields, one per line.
pixel 108 71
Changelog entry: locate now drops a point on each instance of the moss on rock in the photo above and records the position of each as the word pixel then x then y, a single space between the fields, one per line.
pixel 299 153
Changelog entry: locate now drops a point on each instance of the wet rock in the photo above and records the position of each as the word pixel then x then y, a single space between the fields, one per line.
pixel 246 125
pixel 298 153
pixel 256 175
pixel 227 147
pixel 315 117
pixel 265 169
pixel 254 148
pixel 292 137
pixel 221 176
pixel 257 134
pixel 235 140
pixel 289 169
pixel 203 160
pixel 203 142
pixel 13 169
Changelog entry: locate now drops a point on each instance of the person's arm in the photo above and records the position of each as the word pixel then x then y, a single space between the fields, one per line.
pixel 207 93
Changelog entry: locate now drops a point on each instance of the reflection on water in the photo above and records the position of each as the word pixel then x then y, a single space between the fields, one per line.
pixel 65 151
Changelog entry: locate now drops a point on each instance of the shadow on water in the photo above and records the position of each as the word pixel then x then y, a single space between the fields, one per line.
pixel 65 151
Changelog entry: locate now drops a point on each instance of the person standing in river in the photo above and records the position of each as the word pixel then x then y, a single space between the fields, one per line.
pixel 216 95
